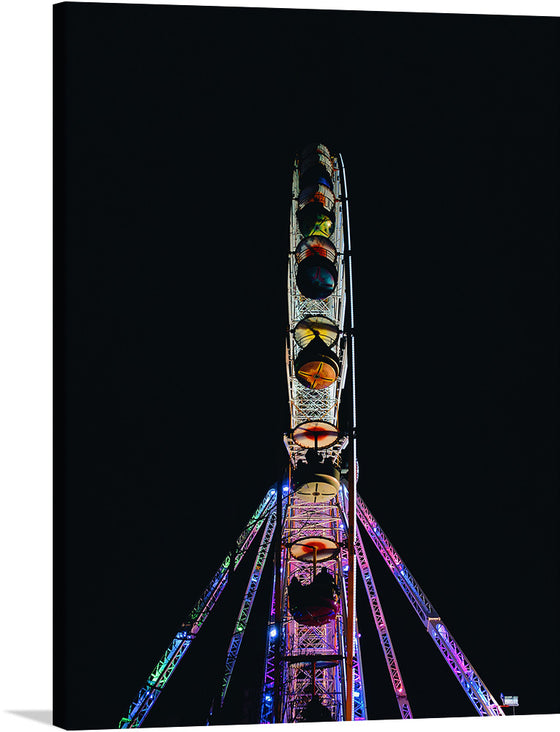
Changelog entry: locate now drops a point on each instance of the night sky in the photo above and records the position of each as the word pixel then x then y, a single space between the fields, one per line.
pixel 175 133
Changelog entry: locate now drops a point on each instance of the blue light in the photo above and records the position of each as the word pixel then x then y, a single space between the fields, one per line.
pixel 273 633
pixel 356 694
pixel 285 488
pixel 346 568
pixel 268 698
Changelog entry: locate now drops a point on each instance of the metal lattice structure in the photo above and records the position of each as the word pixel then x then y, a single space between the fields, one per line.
pixel 311 404
pixel 312 656
pixel 301 646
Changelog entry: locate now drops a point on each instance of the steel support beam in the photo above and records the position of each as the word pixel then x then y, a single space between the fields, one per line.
pixel 470 682
pixel 149 693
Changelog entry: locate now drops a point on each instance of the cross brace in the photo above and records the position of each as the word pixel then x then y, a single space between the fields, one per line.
pixel 477 692
pixel 472 684
pixel 149 693
pixel 247 604
pixel 382 630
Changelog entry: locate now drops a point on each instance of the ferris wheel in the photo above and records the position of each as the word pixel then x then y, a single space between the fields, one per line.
pixel 307 523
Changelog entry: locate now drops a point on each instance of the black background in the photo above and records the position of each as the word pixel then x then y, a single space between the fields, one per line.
pixel 175 133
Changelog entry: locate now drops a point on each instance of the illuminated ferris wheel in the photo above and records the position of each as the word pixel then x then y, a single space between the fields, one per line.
pixel 307 523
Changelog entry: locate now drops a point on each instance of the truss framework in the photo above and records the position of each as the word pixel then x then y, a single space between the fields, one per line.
pixel 305 660
pixel 296 646
pixel 302 661
pixel 315 404
pixel 336 690
pixel 382 630
pixel 149 693
pixel 247 604
pixel 471 683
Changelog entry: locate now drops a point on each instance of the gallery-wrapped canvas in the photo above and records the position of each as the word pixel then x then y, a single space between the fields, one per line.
pixel 186 197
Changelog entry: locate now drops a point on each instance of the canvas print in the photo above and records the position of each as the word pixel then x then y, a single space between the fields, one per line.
pixel 306 358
